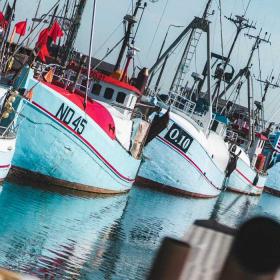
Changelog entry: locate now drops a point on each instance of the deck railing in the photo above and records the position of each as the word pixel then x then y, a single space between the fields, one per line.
pixel 176 101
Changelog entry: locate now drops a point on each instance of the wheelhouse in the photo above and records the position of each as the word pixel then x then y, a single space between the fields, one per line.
pixel 120 95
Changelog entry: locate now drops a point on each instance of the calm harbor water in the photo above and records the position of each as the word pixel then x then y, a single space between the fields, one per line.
pixel 62 235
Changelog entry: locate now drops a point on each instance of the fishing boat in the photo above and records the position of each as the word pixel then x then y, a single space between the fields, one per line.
pixel 7 136
pixel 272 151
pixel 184 158
pixel 248 134
pixel 200 153
pixel 76 125
pixel 249 175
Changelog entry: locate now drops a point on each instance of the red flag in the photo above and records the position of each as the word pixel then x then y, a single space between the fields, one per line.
pixel 43 38
pixel 20 28
pixel 43 52
pixel 3 21
pixel 2 17
pixel 55 31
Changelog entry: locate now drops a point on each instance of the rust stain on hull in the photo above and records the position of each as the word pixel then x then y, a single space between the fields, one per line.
pixel 23 176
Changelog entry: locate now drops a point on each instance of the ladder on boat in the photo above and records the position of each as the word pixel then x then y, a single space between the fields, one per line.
pixel 186 60
pixel 188 54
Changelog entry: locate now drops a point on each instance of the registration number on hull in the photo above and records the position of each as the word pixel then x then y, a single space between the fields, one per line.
pixel 68 116
pixel 179 138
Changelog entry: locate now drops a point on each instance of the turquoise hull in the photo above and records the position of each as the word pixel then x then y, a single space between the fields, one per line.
pixel 78 153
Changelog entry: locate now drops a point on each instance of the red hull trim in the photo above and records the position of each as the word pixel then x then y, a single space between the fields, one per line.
pixel 5 166
pixel 146 183
pixel 248 180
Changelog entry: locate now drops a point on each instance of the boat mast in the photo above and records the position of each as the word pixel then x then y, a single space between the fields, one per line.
pixel 258 41
pixel 90 52
pixel 7 31
pixel 203 25
pixel 188 54
pixel 72 35
pixel 241 23
pixel 268 83
pixel 33 21
pixel 245 72
pixel 131 20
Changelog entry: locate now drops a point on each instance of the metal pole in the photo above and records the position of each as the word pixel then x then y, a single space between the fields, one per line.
pixel 6 35
pixel 127 36
pixel 33 22
pixel 196 23
pixel 161 73
pixel 162 45
pixel 76 22
pixel 28 36
pixel 209 75
pixel 90 51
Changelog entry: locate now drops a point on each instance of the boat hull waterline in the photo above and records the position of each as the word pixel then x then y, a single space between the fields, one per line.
pixel 60 143
pixel 7 149
pixel 246 180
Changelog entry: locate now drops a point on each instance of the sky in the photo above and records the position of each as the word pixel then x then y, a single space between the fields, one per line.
pixel 159 14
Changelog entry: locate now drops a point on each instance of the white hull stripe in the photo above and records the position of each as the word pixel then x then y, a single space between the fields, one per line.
pixel 82 139
pixel 170 145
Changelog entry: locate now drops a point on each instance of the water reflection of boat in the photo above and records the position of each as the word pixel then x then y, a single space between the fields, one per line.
pixel 51 235
pixel 231 209
pixel 147 219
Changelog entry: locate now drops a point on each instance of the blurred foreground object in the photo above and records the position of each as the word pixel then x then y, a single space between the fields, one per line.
pixel 8 275
pixel 213 251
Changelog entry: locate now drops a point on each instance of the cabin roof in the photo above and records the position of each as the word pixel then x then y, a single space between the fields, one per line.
pixel 97 75
pixel 110 80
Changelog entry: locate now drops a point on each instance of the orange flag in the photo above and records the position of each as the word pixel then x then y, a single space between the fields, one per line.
pixel 49 76
pixel 29 95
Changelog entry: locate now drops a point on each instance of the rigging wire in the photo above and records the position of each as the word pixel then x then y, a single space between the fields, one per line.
pixel 108 39
pixel 248 5
pixel 173 64
pixel 222 47
pixel 260 72
pixel 160 20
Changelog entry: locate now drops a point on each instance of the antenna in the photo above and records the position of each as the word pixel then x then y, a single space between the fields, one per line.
pixel 241 23
pixel 269 83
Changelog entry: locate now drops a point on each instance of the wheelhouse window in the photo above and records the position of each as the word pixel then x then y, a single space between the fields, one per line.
pixel 108 94
pixel 84 84
pixel 96 89
pixel 121 97
pixel 72 78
